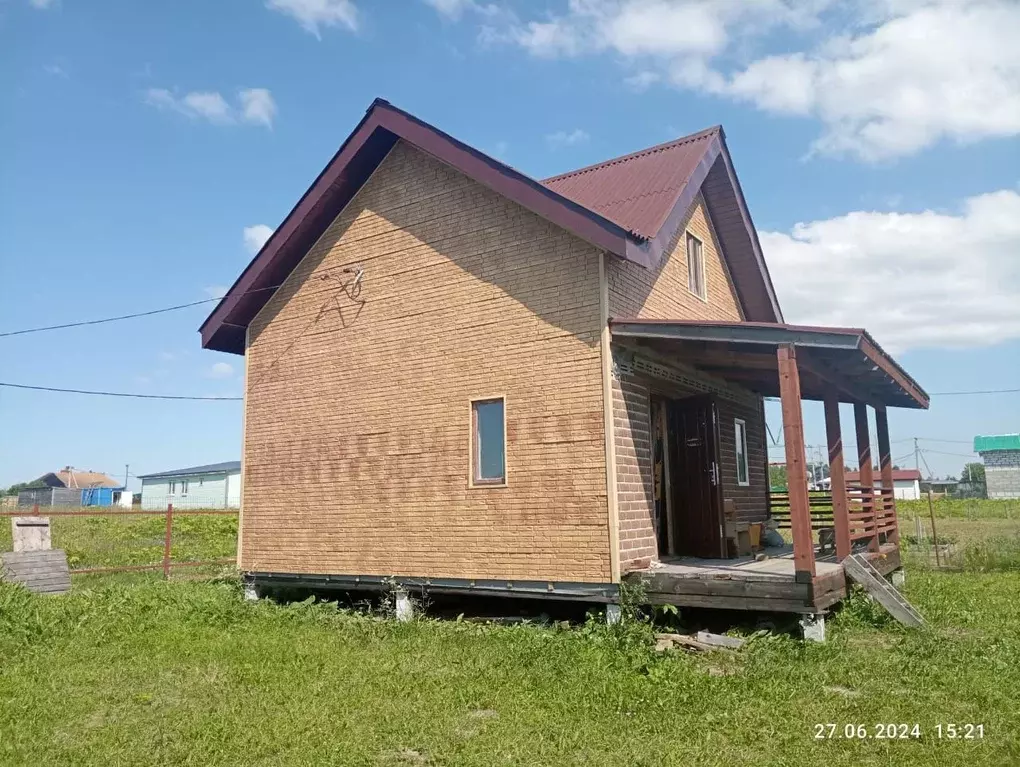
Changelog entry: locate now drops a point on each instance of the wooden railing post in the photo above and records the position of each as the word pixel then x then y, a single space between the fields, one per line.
pixel 866 473
pixel 796 469
pixel 886 470
pixel 837 478
pixel 167 540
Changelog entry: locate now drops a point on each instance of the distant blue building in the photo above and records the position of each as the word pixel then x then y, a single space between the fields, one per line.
pixel 69 487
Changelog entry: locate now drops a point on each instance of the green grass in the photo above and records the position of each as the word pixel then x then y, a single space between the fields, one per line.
pixel 961 508
pixel 136 539
pixel 187 673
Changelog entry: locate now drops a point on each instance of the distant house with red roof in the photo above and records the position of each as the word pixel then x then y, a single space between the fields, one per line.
pixel 906 482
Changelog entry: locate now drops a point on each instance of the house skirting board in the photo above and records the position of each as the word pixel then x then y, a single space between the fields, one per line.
pixel 660 586
pixel 561 590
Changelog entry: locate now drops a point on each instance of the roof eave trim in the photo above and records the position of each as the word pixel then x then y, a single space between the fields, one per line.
pixel 752 233
pixel 745 332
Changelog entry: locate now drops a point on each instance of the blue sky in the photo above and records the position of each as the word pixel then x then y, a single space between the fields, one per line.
pixel 151 146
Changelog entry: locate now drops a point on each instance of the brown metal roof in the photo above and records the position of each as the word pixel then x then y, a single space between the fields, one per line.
pixel 637 191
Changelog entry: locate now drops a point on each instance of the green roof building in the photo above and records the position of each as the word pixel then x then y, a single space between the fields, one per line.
pixel 1001 456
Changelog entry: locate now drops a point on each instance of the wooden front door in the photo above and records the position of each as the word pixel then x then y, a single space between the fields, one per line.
pixel 695 480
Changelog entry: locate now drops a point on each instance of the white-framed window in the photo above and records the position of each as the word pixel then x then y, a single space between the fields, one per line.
pixel 488 441
pixel 172 486
pixel 740 434
pixel 184 487
pixel 696 267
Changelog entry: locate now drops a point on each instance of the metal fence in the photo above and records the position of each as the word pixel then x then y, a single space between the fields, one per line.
pixel 114 540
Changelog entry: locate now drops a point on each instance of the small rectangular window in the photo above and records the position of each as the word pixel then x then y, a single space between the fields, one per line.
pixel 743 477
pixel 696 267
pixel 172 486
pixel 184 487
pixel 488 442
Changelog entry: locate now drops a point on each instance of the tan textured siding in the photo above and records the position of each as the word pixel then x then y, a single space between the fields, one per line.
pixel 632 432
pixel 634 473
pixel 357 426
pixel 662 293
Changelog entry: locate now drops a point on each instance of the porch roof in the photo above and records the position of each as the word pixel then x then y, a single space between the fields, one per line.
pixel 846 362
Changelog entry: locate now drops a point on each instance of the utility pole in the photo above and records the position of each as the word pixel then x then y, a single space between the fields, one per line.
pixel 126 466
pixel 917 456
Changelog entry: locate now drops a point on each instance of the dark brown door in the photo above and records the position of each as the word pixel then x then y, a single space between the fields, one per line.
pixel 694 476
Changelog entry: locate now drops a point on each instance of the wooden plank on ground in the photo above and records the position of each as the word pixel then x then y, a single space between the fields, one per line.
pixel 42 572
pixel 859 568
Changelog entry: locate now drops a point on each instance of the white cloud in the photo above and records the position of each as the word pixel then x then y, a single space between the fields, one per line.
pixel 208 104
pixel 567 138
pixel 643 80
pixel 255 237
pixel 221 370
pixel 56 70
pixel 930 279
pixel 886 78
pixel 216 291
pixel 42 5
pixel 940 70
pixel 311 14
pixel 452 9
pixel 255 105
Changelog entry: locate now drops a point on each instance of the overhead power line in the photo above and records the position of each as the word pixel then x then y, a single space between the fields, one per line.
pixel 986 391
pixel 107 319
pixel 119 394
pixel 322 273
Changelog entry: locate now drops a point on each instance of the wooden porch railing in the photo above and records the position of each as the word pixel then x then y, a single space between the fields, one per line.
pixel 871 515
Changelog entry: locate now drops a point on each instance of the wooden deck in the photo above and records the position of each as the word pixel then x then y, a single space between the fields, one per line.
pixel 768 585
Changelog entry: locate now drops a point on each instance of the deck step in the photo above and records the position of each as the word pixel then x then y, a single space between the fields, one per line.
pixel 861 571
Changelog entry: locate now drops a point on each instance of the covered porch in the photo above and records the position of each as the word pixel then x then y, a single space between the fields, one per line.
pixel 792 363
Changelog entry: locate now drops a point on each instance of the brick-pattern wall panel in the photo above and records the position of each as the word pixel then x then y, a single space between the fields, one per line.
pixel 662 292
pixel 752 501
pixel 1002 473
pixel 634 473
pixel 358 416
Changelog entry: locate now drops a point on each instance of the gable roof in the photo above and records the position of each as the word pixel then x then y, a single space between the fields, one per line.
pixel 662 182
pixel 210 468
pixel 70 478
pixel 637 191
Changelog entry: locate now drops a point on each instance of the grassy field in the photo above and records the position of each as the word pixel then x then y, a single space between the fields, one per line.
pixel 149 672
pixel 136 539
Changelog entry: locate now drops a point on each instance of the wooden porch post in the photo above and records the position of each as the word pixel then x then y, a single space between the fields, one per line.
pixel 866 473
pixel 885 467
pixel 837 478
pixel 796 470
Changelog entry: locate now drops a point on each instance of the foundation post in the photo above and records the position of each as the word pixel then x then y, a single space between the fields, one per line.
pixel 813 627
pixel 404 606
pixel 898 578
pixel 613 615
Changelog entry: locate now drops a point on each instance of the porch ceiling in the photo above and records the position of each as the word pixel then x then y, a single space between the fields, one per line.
pixel 842 361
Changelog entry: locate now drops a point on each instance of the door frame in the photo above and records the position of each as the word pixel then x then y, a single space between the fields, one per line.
pixel 673 510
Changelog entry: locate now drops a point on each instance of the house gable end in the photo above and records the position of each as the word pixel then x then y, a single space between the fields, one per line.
pixel 662 291
pixel 361 153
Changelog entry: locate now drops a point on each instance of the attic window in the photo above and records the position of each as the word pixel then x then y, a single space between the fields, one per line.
pixel 696 267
